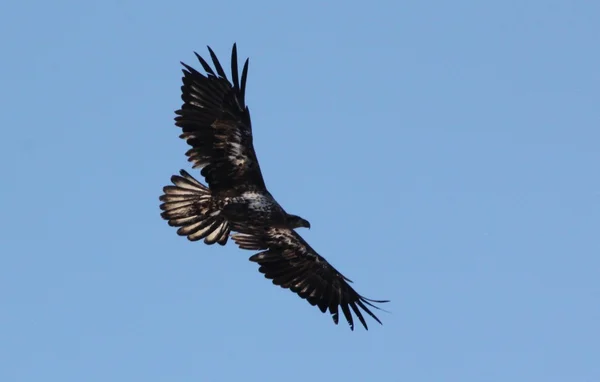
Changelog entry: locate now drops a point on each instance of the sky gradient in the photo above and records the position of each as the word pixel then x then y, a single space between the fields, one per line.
pixel 446 154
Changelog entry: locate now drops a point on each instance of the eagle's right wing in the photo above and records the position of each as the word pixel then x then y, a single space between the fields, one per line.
pixel 291 263
pixel 216 124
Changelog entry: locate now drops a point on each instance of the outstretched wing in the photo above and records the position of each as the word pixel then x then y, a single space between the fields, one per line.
pixel 291 263
pixel 216 124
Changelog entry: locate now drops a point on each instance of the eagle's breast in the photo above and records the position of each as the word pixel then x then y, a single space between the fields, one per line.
pixel 260 202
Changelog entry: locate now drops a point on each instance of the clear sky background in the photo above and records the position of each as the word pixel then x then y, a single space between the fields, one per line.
pixel 447 154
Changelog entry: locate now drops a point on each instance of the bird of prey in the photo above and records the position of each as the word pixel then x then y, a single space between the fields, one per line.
pixel 215 122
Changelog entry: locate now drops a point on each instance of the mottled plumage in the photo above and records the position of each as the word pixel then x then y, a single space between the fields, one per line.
pixel 291 263
pixel 216 124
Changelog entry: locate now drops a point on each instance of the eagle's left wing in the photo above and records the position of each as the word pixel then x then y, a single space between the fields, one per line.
pixel 292 264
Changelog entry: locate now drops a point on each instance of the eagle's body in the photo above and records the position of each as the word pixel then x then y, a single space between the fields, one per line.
pixel 202 214
pixel 216 124
pixel 254 210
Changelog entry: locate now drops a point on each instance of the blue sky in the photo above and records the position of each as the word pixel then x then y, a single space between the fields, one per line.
pixel 446 154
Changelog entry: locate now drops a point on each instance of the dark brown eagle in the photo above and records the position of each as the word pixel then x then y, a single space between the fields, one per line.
pixel 216 124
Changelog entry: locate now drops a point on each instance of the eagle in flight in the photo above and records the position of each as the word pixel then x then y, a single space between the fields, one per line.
pixel 216 125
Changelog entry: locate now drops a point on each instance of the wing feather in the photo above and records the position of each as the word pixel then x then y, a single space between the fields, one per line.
pixel 292 264
pixel 244 77
pixel 217 64
pixel 234 69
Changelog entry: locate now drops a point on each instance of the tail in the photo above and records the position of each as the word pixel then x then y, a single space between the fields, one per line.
pixel 189 204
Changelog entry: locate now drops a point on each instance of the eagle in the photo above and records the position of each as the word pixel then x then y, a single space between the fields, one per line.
pixel 215 123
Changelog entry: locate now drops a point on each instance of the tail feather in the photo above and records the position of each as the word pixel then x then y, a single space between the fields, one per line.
pixel 189 204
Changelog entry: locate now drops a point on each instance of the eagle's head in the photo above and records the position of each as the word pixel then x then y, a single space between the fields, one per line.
pixel 297 222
